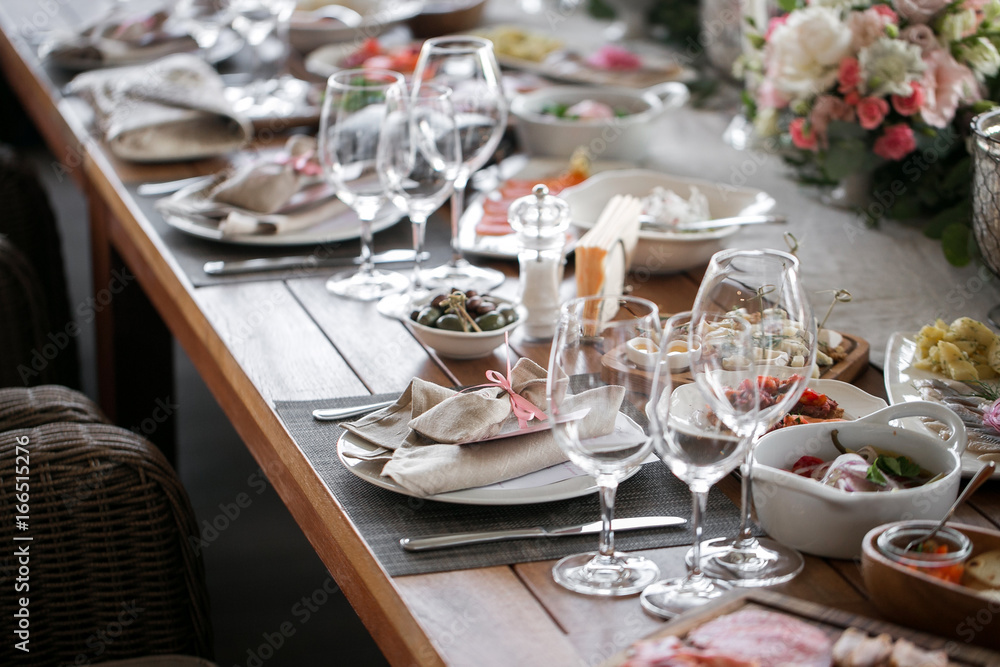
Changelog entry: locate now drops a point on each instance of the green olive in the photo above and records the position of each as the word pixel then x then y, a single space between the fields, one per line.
pixel 428 316
pixel 509 313
pixel 491 321
pixel 450 322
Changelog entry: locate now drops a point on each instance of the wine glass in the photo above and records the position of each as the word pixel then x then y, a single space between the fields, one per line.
pixel 764 287
pixel 700 434
pixel 597 406
pixel 259 22
pixel 350 125
pixel 418 160
pixel 469 67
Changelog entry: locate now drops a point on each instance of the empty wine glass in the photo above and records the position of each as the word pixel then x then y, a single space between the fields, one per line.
pixel 418 160
pixel 764 287
pixel 469 67
pixel 259 23
pixel 700 434
pixel 350 125
pixel 598 414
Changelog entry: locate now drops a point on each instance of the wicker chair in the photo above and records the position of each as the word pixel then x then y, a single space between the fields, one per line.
pixel 29 225
pixel 112 570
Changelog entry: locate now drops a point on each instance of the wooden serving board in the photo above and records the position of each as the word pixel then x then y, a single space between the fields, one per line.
pixel 831 621
pixel 853 365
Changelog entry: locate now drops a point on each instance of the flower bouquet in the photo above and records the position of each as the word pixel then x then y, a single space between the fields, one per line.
pixel 845 87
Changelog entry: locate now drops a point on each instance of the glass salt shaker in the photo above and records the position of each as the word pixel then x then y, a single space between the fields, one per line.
pixel 541 221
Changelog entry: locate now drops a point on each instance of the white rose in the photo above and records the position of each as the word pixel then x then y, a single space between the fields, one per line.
pixel 955 26
pixel 981 56
pixel 804 53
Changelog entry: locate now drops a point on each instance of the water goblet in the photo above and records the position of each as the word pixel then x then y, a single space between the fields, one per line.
pixel 599 419
pixel 700 434
pixel 764 287
pixel 259 23
pixel 418 160
pixel 354 110
pixel 469 67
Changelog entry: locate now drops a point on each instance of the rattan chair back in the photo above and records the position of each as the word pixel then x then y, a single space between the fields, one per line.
pixel 113 570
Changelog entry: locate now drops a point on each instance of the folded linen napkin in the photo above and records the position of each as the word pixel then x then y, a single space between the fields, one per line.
pixel 117 40
pixel 276 194
pixel 416 436
pixel 171 109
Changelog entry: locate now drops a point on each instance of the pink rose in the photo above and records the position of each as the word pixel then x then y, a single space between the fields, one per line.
pixel 886 11
pixel 828 108
pixel 896 142
pixel 919 11
pixel 872 111
pixel 803 135
pixel 922 36
pixel 852 98
pixel 947 83
pixel 991 417
pixel 907 106
pixel 849 75
pixel 773 24
pixel 868 26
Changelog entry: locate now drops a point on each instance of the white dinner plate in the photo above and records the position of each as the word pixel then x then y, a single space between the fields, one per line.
pixel 899 377
pixel 341 227
pixel 855 402
pixel 536 487
pixel 506 247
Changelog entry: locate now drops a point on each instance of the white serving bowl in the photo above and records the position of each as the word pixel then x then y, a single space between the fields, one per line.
pixel 628 137
pixel 666 252
pixel 306 32
pixel 462 345
pixel 824 521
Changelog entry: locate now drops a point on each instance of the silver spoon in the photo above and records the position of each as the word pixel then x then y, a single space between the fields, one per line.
pixel 981 476
pixel 648 223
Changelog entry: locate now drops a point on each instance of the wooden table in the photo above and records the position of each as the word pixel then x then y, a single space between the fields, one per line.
pixel 255 343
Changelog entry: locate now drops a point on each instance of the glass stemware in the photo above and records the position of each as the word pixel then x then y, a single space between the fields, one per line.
pixel 700 434
pixel 260 22
pixel 764 287
pixel 469 67
pixel 598 413
pixel 350 125
pixel 418 160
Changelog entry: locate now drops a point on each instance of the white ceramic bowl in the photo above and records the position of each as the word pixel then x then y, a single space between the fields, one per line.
pixel 666 252
pixel 823 521
pixel 306 33
pixel 628 137
pixel 461 345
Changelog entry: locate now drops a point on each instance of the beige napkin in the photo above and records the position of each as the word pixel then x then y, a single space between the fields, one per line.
pixel 276 194
pixel 123 40
pixel 415 436
pixel 171 109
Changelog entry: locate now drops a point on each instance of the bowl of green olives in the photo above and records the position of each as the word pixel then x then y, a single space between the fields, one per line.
pixel 464 325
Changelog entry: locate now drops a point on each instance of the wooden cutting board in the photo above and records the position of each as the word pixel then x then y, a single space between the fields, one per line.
pixel 832 621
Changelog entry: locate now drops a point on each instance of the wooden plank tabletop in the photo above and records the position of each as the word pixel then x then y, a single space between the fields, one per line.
pixel 257 343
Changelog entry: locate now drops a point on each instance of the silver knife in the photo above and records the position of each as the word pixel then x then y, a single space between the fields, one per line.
pixel 737 221
pixel 460 539
pixel 227 268
pixel 332 414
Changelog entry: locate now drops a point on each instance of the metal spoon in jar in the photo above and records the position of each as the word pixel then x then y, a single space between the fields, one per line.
pixel 981 476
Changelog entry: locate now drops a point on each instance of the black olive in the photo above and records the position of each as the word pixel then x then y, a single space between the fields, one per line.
pixel 438 301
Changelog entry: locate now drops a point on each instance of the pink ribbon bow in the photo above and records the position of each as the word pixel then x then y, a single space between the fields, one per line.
pixel 304 164
pixel 522 408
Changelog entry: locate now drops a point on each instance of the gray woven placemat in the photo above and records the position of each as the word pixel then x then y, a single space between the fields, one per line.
pixel 191 252
pixel 383 517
